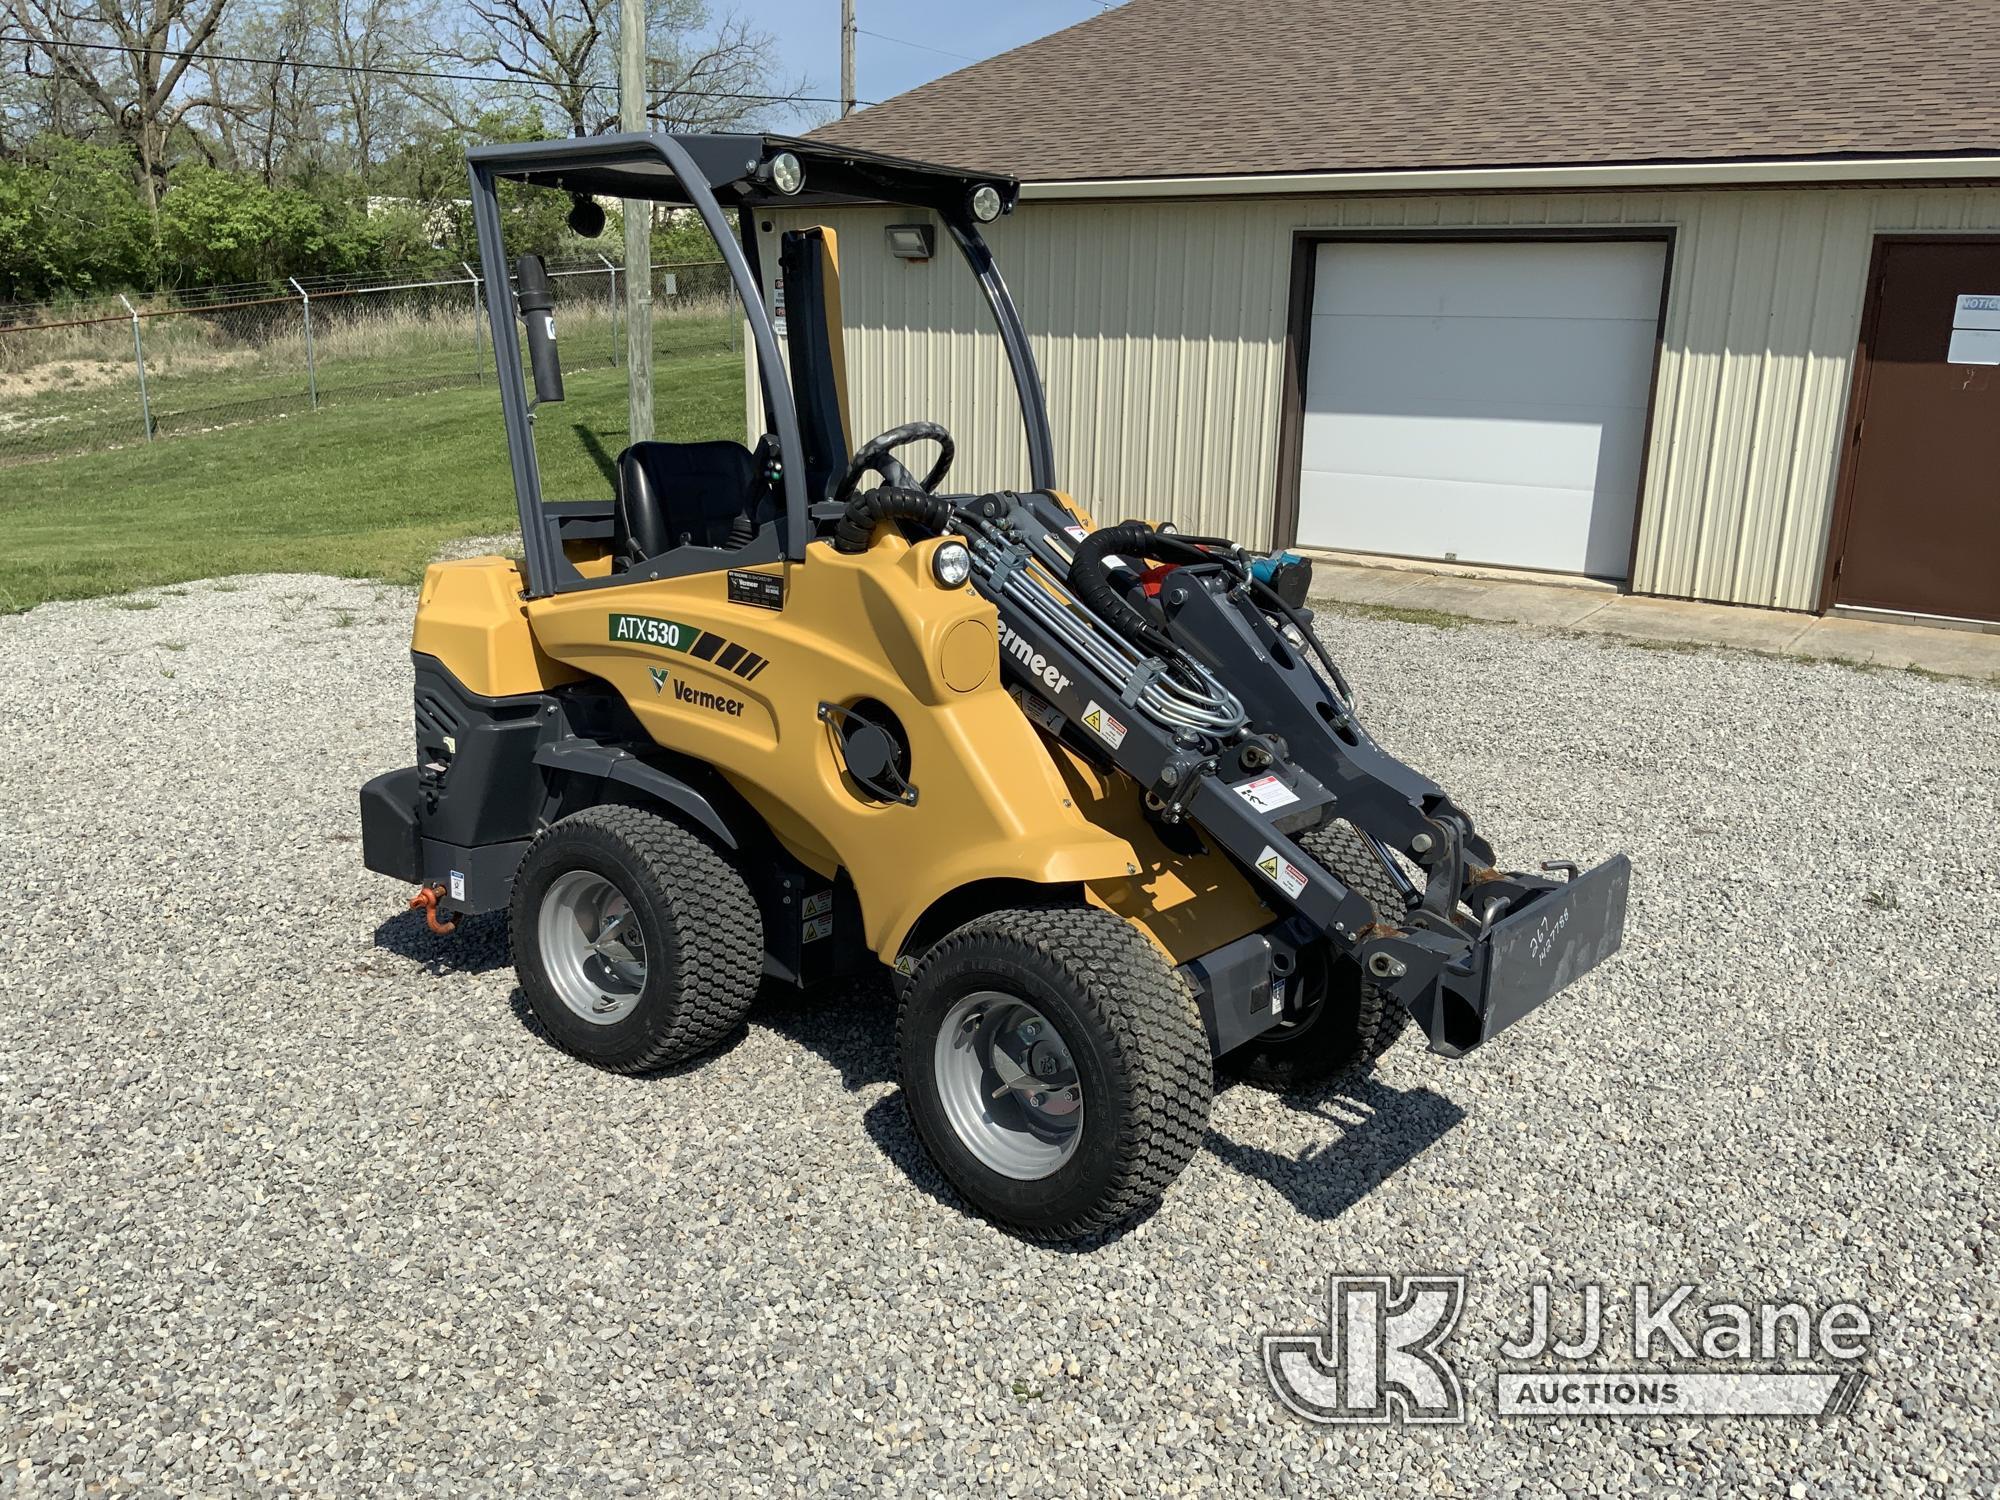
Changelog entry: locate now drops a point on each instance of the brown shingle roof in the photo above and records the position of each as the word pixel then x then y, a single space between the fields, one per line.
pixel 1174 88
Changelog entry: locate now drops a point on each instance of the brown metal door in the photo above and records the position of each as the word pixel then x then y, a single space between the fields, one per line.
pixel 1923 505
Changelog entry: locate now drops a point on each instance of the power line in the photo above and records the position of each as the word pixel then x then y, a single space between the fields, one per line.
pixel 920 46
pixel 331 67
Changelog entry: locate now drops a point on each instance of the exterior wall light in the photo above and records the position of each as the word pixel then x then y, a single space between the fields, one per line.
pixel 912 241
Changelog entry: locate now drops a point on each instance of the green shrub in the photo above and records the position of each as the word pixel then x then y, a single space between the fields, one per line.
pixel 71 222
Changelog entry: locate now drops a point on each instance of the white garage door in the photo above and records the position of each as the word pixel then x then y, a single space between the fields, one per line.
pixel 1480 402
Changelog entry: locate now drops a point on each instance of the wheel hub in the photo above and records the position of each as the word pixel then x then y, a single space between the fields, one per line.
pixel 1008 1085
pixel 592 947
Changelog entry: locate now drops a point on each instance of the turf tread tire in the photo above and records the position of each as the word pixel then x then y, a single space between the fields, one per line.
pixel 1163 1075
pixel 713 956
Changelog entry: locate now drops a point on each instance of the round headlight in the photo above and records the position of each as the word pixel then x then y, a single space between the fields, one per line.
pixel 951 564
pixel 986 203
pixel 787 176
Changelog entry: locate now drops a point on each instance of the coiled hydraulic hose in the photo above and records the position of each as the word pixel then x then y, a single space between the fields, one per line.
pixel 1090 577
pixel 870 508
pixel 1090 580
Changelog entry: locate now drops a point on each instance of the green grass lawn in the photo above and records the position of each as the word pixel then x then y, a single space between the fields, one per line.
pixel 368 487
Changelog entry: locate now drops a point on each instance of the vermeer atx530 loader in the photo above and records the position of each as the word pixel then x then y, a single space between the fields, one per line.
pixel 1096 797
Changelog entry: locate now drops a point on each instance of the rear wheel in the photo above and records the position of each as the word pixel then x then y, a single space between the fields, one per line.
pixel 637 944
pixel 1340 1019
pixel 1056 1068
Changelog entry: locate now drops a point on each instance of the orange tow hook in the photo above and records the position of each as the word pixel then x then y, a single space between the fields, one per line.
pixel 426 900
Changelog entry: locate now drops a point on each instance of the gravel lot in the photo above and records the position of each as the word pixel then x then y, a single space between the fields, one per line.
pixel 296 1201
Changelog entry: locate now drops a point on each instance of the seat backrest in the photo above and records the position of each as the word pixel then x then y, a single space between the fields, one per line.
pixel 685 494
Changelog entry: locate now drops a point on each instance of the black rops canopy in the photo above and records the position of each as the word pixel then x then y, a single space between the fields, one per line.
pixel 631 166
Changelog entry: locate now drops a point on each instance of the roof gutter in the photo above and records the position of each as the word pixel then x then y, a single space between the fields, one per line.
pixel 1777 172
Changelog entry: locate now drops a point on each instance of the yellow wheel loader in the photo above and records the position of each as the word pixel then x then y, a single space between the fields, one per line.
pixel 1095 798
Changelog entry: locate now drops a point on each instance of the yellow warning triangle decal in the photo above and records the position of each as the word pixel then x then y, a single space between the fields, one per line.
pixel 1095 721
pixel 1269 866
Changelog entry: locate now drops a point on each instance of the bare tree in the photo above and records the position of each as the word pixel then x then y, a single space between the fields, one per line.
pixel 710 78
pixel 557 47
pixel 702 73
pixel 364 36
pixel 275 113
pixel 135 87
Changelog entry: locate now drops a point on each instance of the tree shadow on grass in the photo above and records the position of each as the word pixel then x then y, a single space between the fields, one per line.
pixel 1371 1131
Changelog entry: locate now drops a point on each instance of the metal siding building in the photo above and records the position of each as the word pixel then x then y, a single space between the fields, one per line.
pixel 1160 327
pixel 1702 299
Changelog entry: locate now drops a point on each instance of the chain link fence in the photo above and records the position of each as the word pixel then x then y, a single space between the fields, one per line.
pixel 81 378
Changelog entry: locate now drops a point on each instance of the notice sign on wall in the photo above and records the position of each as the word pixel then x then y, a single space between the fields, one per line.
pixel 1975 330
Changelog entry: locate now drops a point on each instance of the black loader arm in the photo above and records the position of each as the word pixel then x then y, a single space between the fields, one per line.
pixel 1164 656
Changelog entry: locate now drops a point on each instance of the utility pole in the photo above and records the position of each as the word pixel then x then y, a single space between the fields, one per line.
pixel 846 58
pixel 638 228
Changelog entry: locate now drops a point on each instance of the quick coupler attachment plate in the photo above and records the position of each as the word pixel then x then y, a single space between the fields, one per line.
pixel 1465 989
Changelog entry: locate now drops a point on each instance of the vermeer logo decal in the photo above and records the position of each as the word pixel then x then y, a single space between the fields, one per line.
pixel 714 702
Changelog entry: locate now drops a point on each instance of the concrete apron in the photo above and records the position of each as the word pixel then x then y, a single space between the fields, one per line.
pixel 1600 609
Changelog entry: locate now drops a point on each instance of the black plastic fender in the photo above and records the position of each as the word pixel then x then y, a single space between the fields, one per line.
pixel 586 757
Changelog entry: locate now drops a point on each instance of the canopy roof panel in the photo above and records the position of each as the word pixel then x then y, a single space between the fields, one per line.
pixel 635 166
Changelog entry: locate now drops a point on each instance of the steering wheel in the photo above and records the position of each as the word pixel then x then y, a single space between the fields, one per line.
pixel 875 457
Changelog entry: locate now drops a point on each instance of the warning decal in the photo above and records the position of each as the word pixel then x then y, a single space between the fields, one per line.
pixel 1266 794
pixel 1281 872
pixel 1101 724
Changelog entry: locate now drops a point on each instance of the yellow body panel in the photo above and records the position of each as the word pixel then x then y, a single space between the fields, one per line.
pixel 471 617
pixel 1189 904
pixel 996 798
pixel 991 801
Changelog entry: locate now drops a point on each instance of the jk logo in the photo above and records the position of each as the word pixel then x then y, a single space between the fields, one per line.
pixel 1378 1355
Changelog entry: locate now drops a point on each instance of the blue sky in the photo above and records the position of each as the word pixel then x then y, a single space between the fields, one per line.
pixel 808 33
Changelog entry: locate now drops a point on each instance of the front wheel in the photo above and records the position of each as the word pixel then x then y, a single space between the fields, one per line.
pixel 1056 1068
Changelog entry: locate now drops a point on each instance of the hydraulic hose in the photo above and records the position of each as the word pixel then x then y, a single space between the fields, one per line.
pixel 1270 599
pixel 1090 581
pixel 1089 577
pixel 870 508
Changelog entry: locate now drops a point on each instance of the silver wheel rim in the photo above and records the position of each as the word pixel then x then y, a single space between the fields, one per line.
pixel 592 948
pixel 1008 1085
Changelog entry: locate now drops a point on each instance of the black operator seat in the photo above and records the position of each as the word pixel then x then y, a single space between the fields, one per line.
pixel 691 495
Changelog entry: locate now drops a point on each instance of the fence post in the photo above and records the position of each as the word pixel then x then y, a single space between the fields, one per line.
pixel 139 356
pixel 612 272
pixel 312 371
pixel 478 325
